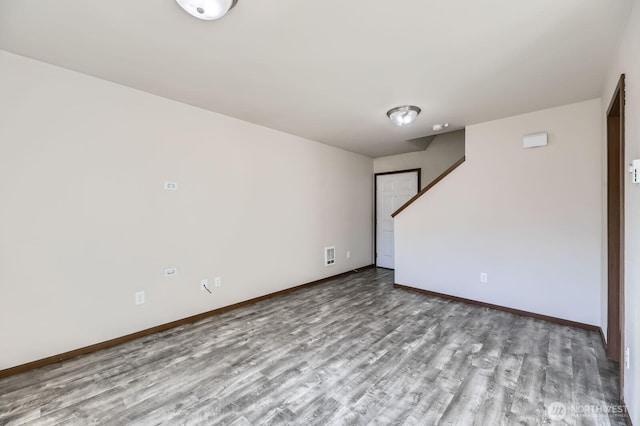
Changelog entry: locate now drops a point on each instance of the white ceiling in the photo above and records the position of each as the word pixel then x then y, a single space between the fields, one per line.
pixel 328 70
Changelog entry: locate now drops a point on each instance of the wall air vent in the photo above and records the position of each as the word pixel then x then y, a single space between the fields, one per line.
pixel 329 256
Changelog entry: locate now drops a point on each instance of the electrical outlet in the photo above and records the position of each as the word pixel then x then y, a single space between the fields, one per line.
pixel 627 358
pixel 139 298
pixel 348 254
pixel 170 272
pixel 484 277
pixel 171 186
pixel 217 282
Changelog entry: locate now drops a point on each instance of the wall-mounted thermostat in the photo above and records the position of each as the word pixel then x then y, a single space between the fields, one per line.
pixel 635 171
pixel 534 140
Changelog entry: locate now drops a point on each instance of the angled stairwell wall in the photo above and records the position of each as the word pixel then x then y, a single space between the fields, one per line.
pixel 529 218
pixel 444 150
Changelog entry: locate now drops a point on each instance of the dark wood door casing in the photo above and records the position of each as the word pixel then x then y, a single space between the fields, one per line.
pixel 615 227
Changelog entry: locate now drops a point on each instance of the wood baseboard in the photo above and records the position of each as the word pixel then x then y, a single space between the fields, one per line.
pixel 603 338
pixel 123 339
pixel 555 320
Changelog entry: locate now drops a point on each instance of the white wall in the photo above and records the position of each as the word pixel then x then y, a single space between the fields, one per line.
pixel 530 218
pixel 444 150
pixel 628 62
pixel 85 222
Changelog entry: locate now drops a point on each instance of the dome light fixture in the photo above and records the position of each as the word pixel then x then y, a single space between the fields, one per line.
pixel 403 115
pixel 208 10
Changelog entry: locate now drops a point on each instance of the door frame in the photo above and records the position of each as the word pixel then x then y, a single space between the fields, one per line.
pixel 615 227
pixel 375 205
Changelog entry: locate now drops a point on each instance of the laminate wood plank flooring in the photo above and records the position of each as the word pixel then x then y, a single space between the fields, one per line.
pixel 352 351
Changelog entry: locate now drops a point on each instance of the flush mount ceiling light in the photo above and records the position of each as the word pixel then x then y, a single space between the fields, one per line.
pixel 207 9
pixel 403 115
pixel 438 127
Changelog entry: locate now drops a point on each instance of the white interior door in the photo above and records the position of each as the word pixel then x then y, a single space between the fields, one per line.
pixel 392 191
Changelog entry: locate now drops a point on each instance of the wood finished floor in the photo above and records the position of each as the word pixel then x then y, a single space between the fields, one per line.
pixel 352 351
